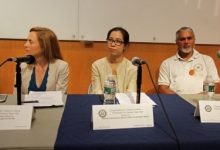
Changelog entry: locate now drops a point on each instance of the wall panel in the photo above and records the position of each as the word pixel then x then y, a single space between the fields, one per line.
pixel 80 57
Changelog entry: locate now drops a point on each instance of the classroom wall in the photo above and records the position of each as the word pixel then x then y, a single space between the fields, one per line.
pixel 80 56
pixel 146 20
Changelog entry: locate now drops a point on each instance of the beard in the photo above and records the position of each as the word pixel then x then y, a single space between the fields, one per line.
pixel 186 50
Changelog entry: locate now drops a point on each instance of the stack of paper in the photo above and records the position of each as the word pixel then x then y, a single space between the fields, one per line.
pixel 130 98
pixel 44 99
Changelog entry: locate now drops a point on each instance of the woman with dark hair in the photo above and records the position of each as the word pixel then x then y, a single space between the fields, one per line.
pixel 115 64
pixel 49 72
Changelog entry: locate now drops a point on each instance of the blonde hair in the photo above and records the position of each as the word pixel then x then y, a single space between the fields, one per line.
pixel 48 43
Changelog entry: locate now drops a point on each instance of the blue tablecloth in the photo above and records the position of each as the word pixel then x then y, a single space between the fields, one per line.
pixel 192 134
pixel 75 131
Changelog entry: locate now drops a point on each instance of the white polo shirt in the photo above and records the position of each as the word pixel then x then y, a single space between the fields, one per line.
pixel 186 77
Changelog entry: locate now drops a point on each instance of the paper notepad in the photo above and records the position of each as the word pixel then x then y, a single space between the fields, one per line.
pixel 44 99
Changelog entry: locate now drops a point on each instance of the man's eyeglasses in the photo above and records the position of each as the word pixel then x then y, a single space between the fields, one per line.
pixel 186 38
pixel 116 42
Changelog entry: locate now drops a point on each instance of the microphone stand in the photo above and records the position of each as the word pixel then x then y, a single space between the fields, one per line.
pixel 29 59
pixel 163 108
pixel 18 82
pixel 139 80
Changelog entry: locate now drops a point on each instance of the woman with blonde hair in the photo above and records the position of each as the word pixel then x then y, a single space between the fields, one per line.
pixel 49 72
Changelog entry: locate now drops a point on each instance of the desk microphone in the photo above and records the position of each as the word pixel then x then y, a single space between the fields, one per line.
pixel 29 59
pixel 138 62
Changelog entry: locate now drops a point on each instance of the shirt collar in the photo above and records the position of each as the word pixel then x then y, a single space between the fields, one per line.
pixel 194 56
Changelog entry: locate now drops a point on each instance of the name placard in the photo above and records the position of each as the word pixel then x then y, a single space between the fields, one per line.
pixel 209 111
pixel 122 116
pixel 14 117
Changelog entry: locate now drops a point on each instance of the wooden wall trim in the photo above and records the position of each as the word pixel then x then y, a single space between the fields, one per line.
pixel 81 55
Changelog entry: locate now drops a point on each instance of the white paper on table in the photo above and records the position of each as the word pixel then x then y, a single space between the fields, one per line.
pixel 130 98
pixel 15 117
pixel 45 99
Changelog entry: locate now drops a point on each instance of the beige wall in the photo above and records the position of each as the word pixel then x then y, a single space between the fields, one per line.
pixel 80 57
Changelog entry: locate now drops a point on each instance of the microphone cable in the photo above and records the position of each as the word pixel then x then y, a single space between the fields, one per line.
pixel 3 62
pixel 163 107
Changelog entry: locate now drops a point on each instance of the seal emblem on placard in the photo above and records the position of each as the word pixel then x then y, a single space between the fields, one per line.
pixel 102 113
pixel 208 108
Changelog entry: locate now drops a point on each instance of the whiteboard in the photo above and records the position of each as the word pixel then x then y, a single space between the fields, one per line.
pixel 18 16
pixel 150 20
pixel 146 20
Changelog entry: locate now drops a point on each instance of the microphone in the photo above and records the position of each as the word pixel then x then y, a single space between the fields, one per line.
pixel 29 59
pixel 218 54
pixel 137 61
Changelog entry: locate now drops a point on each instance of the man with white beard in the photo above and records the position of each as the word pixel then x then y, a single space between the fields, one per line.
pixel 185 72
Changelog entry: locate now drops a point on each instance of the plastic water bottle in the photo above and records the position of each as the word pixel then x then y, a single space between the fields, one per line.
pixel 109 90
pixel 209 86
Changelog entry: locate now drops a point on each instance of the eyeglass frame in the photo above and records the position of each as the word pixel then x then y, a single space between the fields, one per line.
pixel 116 42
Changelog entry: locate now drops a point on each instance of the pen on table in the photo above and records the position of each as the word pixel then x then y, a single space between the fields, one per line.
pixel 34 101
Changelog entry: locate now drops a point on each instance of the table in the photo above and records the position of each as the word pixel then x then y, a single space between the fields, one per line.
pixel 42 134
pixel 194 98
pixel 191 132
pixel 75 131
